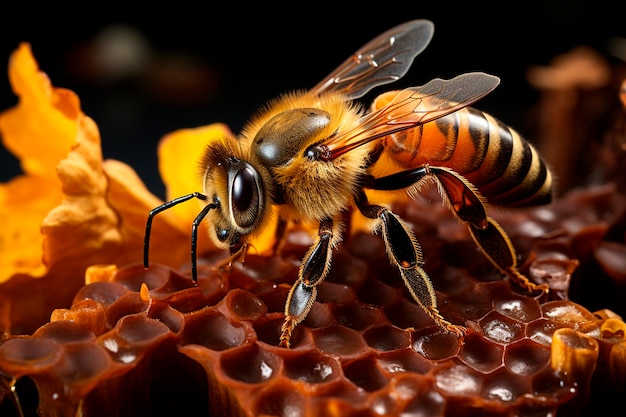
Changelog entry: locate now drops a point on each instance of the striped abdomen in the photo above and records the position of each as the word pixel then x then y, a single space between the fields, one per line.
pixel 504 167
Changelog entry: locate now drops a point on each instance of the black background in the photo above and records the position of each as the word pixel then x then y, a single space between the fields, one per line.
pixel 256 52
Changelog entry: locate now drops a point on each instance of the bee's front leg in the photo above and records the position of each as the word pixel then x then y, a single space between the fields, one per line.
pixel 313 269
pixel 404 253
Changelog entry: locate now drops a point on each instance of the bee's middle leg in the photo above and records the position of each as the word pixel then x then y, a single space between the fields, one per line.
pixel 404 252
pixel 313 270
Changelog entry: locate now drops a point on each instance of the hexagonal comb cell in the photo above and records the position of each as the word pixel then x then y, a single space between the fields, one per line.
pixel 312 367
pixel 365 349
pixel 481 354
pixel 250 364
pixel 526 358
pixel 366 374
pixel 501 329
pixel 386 337
pixel 211 329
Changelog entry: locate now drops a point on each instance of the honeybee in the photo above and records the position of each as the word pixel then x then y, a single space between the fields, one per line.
pixel 315 155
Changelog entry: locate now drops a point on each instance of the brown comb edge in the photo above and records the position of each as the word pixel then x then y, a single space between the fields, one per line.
pixel 365 348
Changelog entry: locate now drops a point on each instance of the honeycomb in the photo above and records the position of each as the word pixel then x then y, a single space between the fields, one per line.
pixel 150 342
pixel 137 342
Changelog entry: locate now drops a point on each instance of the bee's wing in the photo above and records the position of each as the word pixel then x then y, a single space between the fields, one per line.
pixel 383 60
pixel 412 107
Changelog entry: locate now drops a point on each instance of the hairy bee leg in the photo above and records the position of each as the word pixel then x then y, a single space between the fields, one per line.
pixel 404 252
pixel 486 232
pixel 497 247
pixel 313 270
pixel 468 206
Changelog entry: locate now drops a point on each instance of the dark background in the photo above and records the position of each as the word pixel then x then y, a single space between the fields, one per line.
pixel 206 63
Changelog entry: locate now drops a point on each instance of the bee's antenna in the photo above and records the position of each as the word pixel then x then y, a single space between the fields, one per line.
pixel 194 237
pixel 165 206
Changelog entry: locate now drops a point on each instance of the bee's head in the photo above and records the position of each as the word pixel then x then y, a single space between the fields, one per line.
pixel 239 194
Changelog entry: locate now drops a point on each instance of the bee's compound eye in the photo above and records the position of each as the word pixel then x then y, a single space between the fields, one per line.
pixel 245 196
pixel 243 190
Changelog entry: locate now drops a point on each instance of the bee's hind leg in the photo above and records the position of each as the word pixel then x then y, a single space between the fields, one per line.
pixel 404 252
pixel 486 232
pixel 466 203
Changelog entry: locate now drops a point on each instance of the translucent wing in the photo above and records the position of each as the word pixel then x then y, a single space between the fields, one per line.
pixel 383 60
pixel 412 107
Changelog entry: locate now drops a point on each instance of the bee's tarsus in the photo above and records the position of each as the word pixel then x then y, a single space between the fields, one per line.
pixel 525 283
pixel 285 332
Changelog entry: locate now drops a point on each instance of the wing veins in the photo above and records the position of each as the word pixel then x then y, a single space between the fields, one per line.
pixel 412 107
pixel 389 54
